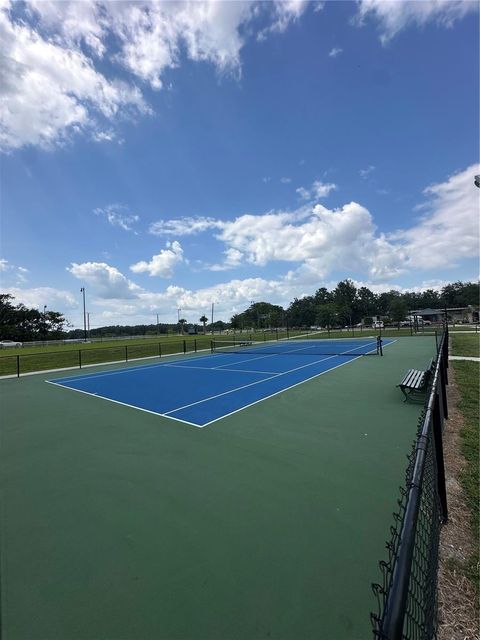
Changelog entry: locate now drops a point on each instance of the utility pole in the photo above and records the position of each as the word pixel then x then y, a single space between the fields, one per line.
pixel 82 290
pixel 178 319
pixel 213 304
pixel 158 329
pixel 44 321
pixel 88 324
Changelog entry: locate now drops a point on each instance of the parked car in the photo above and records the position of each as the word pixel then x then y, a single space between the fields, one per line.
pixel 5 344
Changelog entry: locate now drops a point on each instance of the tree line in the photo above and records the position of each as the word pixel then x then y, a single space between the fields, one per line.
pixel 345 305
pixel 20 323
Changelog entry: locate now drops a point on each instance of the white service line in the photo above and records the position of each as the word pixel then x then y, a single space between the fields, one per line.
pixel 251 384
pixel 183 366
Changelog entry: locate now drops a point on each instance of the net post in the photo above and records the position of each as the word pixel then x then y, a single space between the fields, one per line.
pixel 379 345
pixel 18 365
pixel 79 358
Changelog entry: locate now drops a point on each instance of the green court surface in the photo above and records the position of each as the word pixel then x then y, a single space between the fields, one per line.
pixel 121 525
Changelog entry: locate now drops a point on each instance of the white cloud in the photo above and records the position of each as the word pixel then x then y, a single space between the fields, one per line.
pixel 13 274
pixel 395 16
pixel 115 215
pixel 285 180
pixel 163 263
pixel 51 92
pixel 107 282
pixel 449 230
pixel 37 297
pixel 187 226
pixel 336 51
pixel 50 55
pixel 283 13
pixel 317 190
pixel 365 173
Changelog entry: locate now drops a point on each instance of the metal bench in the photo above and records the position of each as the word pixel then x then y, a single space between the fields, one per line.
pixel 415 382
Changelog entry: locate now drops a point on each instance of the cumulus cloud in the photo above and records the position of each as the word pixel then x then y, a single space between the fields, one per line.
pixel 51 92
pixel 393 17
pixel 53 80
pixel 107 282
pixel 117 215
pixel 318 190
pixel 187 226
pixel 163 263
pixel 449 229
pixel 285 180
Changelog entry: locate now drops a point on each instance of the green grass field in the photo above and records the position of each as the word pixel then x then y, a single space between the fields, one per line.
pixel 121 524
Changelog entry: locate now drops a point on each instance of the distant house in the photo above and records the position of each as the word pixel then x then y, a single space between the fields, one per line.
pixel 455 314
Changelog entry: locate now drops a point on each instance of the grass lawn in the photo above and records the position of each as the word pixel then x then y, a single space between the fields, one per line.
pixel 467 378
pixel 465 345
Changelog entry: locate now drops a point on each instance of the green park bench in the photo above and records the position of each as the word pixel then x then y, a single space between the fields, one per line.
pixel 415 382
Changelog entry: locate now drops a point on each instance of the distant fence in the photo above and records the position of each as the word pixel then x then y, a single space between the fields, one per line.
pixel 407 598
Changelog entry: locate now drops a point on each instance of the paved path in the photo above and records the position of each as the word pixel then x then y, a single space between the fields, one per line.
pixel 471 358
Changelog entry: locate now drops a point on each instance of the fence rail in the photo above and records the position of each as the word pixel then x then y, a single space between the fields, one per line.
pixel 407 598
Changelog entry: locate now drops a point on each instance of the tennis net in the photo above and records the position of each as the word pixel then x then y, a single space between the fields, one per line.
pixel 342 347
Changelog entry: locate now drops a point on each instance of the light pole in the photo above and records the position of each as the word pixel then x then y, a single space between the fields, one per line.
pixel 44 321
pixel 82 290
pixel 158 331
pixel 88 324
pixel 213 305
pixel 178 319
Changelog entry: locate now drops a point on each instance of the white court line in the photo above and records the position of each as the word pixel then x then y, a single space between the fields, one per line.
pixel 184 366
pixel 124 404
pixel 251 384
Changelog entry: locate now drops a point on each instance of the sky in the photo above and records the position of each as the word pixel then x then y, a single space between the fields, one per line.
pixel 171 155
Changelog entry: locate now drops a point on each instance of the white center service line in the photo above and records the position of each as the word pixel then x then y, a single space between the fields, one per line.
pixel 251 384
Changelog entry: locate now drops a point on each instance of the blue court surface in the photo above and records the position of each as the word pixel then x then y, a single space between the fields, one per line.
pixel 201 390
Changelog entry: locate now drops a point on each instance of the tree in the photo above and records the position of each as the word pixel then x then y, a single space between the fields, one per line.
pixel 182 322
pixel 326 315
pixel 345 297
pixel 398 310
pixel 204 320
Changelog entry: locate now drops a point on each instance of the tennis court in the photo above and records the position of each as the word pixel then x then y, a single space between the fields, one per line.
pixel 205 389
pixel 121 523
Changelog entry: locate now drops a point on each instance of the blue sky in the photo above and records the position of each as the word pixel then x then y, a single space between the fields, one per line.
pixel 171 155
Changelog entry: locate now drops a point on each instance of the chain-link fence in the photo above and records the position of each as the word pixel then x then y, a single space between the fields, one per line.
pixel 407 597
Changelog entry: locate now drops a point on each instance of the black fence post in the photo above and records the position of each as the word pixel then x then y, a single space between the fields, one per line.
pixel 195 344
pixel 276 331
pixel 18 366
pixel 159 349
pixel 211 346
pixel 126 353
pixel 437 437
pixel 79 358
pixel 184 347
